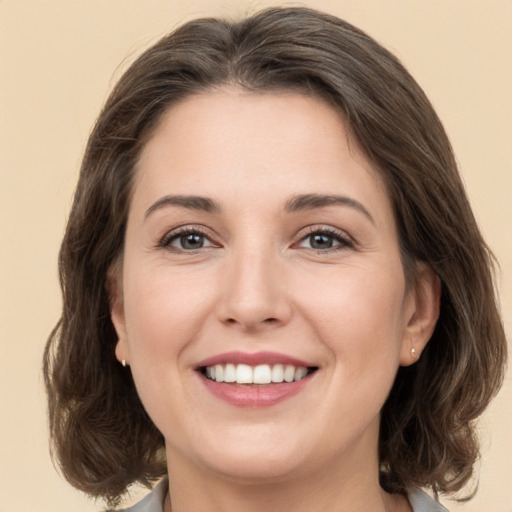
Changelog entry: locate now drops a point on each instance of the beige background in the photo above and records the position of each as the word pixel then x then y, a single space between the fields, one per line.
pixel 58 59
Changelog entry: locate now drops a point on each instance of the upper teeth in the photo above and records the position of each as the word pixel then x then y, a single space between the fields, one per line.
pixel 261 374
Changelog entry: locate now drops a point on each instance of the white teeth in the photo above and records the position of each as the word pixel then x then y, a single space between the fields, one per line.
pixel 289 373
pixel 260 374
pixel 300 373
pixel 219 373
pixel 230 373
pixel 244 374
pixel 278 373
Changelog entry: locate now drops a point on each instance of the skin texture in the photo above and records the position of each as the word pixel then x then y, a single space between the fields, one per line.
pixel 258 284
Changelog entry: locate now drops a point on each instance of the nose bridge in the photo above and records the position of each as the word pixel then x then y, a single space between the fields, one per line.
pixel 254 292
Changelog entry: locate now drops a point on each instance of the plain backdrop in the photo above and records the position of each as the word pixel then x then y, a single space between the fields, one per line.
pixel 59 59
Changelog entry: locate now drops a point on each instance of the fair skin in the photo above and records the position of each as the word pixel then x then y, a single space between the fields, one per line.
pixel 257 229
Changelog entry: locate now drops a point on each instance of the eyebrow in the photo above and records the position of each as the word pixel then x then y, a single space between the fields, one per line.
pixel 312 201
pixel 295 204
pixel 190 202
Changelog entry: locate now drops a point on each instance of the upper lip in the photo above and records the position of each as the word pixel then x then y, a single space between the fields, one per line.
pixel 253 359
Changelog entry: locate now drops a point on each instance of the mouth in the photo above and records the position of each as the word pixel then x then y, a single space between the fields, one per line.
pixel 254 380
pixel 262 374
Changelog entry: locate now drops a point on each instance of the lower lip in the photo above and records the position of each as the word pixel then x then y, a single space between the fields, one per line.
pixel 256 395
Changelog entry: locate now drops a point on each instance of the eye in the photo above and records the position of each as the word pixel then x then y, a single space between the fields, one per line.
pixel 325 240
pixel 186 240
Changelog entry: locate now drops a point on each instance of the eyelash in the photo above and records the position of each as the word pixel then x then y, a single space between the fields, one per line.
pixel 166 241
pixel 343 240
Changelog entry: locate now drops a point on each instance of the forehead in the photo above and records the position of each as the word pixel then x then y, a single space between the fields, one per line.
pixel 223 140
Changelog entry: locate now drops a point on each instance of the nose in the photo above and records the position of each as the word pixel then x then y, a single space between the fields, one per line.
pixel 254 292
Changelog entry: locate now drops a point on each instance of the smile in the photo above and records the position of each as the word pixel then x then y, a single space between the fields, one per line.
pixel 255 380
pixel 260 374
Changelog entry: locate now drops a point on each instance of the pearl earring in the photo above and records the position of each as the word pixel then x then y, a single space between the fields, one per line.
pixel 123 362
pixel 413 353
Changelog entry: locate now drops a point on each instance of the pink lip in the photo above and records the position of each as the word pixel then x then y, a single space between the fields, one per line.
pixel 256 395
pixel 252 359
pixel 261 395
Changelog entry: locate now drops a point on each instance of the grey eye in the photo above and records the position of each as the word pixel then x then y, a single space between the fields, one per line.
pixel 190 241
pixel 325 239
pixel 321 241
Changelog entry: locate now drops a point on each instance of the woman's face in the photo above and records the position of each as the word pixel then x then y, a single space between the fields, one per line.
pixel 261 246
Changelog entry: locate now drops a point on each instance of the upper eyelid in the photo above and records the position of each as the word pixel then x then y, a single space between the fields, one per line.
pixel 319 228
pixel 346 241
pixel 300 234
pixel 186 228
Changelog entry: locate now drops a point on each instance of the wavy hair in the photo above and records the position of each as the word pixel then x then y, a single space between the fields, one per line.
pixel 101 435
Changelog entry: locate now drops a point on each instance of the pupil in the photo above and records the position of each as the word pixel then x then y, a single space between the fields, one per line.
pixel 321 242
pixel 192 241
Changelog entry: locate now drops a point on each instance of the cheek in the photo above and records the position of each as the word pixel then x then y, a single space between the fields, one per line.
pixel 163 313
pixel 359 316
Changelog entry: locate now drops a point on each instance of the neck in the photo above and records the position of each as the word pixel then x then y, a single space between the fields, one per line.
pixel 256 499
pixel 346 485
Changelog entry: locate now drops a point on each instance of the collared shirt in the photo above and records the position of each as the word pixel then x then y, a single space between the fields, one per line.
pixel 153 502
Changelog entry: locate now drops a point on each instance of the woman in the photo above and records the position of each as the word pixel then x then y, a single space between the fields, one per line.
pixel 275 291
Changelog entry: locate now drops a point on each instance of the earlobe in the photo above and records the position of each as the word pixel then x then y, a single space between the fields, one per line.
pixel 117 316
pixel 421 317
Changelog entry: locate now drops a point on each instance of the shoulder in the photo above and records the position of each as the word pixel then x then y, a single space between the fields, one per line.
pixel 421 502
pixel 153 502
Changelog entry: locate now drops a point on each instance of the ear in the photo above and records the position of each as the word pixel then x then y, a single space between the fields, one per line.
pixel 116 300
pixel 421 313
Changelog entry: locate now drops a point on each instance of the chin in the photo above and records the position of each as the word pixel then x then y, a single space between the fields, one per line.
pixel 255 457
pixel 257 470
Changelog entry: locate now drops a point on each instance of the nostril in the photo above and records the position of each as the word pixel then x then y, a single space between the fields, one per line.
pixel 266 320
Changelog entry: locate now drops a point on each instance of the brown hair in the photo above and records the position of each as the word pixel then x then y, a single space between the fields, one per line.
pixel 102 437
